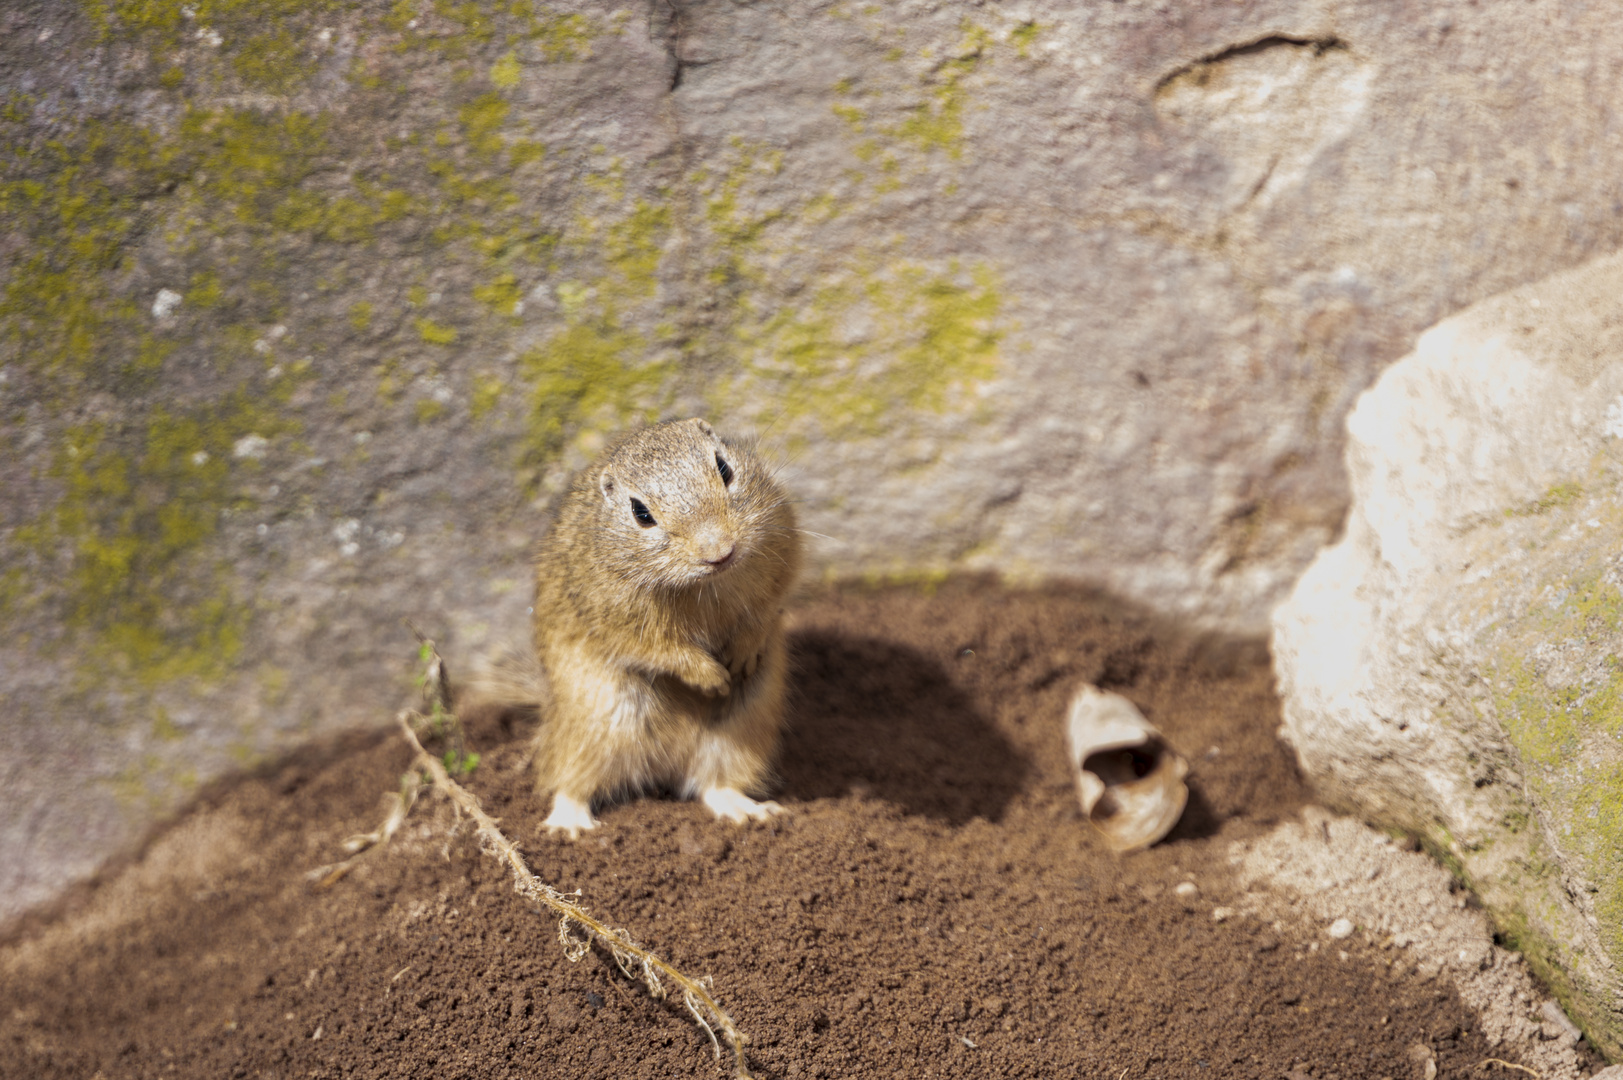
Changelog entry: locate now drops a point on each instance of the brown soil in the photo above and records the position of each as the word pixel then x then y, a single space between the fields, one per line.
pixel 934 905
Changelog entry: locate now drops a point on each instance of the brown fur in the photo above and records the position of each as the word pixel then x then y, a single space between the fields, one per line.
pixel 663 656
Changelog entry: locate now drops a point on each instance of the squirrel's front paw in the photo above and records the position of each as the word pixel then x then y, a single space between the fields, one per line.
pixel 570 817
pixel 742 663
pixel 710 678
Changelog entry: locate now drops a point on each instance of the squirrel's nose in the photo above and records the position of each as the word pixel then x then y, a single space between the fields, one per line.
pixel 720 558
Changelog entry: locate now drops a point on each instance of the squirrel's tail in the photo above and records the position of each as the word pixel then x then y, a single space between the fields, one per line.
pixel 508 677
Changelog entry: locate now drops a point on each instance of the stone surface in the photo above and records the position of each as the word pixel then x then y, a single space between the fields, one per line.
pixel 1450 666
pixel 1040 289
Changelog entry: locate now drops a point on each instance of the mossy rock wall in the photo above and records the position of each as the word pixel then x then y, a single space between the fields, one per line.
pixel 307 307
pixel 1452 666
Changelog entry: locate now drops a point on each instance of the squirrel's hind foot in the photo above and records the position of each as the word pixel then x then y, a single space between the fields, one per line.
pixel 570 816
pixel 730 804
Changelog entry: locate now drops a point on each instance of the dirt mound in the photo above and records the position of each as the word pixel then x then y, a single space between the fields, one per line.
pixel 934 905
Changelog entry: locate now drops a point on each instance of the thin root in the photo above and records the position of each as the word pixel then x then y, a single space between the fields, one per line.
pixel 1485 1062
pixel 400 804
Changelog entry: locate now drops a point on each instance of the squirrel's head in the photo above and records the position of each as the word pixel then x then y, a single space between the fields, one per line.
pixel 687 506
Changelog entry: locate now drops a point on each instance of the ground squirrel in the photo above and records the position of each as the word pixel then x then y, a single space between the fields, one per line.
pixel 658 626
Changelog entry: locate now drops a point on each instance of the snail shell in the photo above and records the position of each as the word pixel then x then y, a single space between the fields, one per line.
pixel 1129 778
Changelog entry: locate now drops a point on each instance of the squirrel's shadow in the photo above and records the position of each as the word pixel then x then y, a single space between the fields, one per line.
pixel 875 717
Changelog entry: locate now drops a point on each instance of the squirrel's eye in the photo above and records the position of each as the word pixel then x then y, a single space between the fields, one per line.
pixel 640 512
pixel 725 469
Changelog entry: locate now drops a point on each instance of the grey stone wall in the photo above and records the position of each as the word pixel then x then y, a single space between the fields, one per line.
pixel 309 306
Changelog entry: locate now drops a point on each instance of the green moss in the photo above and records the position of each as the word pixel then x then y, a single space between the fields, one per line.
pixel 854 117
pixel 934 126
pixel 434 333
pixel 502 294
pixel 932 333
pixel 1598 809
pixel 939 126
pixel 252 161
pixel 504 73
pixel 632 249
pixel 1596 606
pixel 163 728
pixel 1559 495
pixel 597 370
pixel 205 290
pixel 1605 707
pixel 929 332
pixel 391 380
pixel 1566 737
pixel 401 15
pixel 734 233
pixel 57 308
pixel 427 410
pixel 482 120
pixel 558 37
pixel 487 392
pixel 360 314
pixel 1540 724
pixel 138 588
pixel 592 372
pixel 139 509
pixel 264 43
pixel 521 152
pixel 272 60
pixel 1024 36
pixel 474 26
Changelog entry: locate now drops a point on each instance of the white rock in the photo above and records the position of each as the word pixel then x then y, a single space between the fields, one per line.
pixel 1341 928
pixel 1445 666
pixel 164 304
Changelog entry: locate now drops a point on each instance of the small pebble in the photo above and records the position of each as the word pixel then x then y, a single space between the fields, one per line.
pixel 1187 891
pixel 1556 1024
pixel 1341 928
pixel 1222 914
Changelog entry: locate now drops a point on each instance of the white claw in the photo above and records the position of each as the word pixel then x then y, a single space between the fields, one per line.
pixel 730 804
pixel 570 816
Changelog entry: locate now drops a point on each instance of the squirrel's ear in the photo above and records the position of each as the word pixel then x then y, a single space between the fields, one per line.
pixel 707 429
pixel 606 484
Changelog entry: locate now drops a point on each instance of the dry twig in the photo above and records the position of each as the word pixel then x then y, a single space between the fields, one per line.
pixel 1485 1062
pixel 400 804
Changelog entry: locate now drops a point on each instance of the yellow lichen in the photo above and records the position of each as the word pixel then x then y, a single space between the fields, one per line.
pixel 434 333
